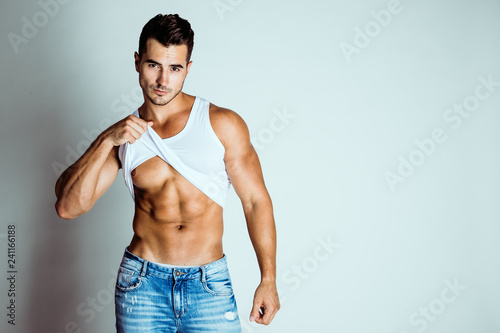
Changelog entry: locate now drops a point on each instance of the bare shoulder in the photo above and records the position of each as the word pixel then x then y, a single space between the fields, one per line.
pixel 227 124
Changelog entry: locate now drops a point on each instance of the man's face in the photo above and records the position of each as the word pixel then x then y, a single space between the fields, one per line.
pixel 162 71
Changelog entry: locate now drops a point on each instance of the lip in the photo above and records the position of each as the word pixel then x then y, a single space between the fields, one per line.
pixel 160 92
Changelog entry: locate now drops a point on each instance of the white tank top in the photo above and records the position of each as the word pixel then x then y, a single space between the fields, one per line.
pixel 196 153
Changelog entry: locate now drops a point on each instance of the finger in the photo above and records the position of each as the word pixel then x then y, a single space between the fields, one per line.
pixel 136 135
pixel 269 315
pixel 145 123
pixel 131 135
pixel 259 318
pixel 262 315
pixel 255 314
pixel 140 125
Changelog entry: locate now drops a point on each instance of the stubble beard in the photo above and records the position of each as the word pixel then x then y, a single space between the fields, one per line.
pixel 162 100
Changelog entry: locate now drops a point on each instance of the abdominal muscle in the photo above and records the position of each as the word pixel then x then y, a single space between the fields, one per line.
pixel 174 222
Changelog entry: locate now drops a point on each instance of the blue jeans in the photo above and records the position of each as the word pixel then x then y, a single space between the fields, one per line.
pixel 152 297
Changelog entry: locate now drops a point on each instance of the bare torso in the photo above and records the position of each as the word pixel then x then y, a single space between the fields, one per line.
pixel 174 222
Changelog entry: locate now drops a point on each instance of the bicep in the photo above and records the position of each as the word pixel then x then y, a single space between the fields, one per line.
pixel 245 173
pixel 243 165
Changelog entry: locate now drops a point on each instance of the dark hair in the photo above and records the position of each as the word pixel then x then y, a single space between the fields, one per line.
pixel 168 30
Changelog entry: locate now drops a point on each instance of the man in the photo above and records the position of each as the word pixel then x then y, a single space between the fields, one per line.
pixel 179 154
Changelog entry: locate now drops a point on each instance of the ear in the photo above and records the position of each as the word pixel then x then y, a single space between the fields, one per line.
pixel 188 66
pixel 137 61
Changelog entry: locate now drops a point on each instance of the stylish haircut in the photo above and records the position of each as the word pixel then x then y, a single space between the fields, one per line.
pixel 168 30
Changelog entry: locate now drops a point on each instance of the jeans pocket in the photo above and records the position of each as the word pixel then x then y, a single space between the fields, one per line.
pixel 218 284
pixel 128 280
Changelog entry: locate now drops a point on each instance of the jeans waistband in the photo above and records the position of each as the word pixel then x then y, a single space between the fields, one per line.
pixel 144 266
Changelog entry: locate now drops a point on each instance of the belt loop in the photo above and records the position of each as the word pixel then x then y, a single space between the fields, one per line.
pixel 144 268
pixel 203 278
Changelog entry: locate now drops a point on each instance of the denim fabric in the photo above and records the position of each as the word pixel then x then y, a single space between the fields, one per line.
pixel 150 297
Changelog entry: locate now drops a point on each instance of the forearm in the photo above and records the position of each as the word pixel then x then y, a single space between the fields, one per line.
pixel 262 231
pixel 75 188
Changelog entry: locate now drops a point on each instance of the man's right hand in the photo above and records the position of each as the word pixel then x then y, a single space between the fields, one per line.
pixel 81 184
pixel 129 129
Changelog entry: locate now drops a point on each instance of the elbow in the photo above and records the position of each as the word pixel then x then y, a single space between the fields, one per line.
pixel 64 212
pixel 258 202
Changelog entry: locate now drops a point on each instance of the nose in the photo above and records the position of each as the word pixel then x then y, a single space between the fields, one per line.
pixel 162 78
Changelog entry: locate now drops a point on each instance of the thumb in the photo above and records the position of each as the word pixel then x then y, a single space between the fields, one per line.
pixel 255 314
pixel 150 123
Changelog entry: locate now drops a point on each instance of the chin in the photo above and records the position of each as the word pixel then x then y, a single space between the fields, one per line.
pixel 159 101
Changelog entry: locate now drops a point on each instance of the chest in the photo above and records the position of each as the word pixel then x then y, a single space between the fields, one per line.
pixel 175 125
pixel 194 155
pixel 154 174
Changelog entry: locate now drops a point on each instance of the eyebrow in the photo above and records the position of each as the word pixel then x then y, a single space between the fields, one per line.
pixel 151 61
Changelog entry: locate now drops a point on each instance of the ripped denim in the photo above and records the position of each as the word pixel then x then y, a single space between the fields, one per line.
pixel 152 297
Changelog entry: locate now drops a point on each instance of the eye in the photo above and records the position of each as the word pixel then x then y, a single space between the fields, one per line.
pixel 153 65
pixel 176 69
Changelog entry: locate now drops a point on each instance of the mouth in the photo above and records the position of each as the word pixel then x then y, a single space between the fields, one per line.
pixel 160 92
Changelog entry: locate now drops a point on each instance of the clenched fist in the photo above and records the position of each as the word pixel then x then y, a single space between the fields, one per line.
pixel 129 129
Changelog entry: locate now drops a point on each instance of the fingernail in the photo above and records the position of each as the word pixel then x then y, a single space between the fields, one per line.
pixel 252 318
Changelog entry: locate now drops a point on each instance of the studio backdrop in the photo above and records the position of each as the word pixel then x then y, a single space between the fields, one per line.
pixel 376 124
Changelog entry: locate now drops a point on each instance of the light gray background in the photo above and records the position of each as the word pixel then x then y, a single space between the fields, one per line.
pixel 350 119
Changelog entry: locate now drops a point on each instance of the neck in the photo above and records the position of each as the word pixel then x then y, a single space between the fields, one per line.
pixel 161 113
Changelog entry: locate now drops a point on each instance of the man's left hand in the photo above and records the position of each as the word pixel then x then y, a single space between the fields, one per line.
pixel 266 300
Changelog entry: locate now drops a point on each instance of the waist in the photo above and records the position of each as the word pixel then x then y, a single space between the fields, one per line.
pixel 192 242
pixel 138 263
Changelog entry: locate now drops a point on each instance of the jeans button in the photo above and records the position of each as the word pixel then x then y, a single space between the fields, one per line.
pixel 177 273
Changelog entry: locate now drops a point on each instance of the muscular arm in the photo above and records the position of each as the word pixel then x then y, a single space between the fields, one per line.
pixel 244 170
pixel 79 186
